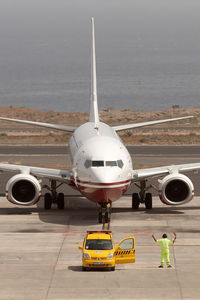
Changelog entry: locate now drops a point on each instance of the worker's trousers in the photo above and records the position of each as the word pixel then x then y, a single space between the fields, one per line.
pixel 165 256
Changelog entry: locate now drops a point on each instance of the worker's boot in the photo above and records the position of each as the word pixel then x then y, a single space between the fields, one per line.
pixel 161 266
pixel 169 266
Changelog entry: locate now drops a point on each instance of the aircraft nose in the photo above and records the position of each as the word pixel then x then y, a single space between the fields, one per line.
pixel 104 176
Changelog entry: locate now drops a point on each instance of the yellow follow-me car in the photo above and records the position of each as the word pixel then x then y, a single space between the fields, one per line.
pixel 98 251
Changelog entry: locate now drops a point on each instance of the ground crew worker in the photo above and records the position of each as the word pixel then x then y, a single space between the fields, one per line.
pixel 164 244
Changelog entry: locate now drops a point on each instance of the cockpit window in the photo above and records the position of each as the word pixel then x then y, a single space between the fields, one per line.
pixel 88 163
pixel 97 163
pixel 100 163
pixel 120 163
pixel 111 163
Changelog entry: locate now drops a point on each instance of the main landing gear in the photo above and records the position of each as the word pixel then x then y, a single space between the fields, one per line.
pixel 142 197
pixel 105 212
pixel 53 196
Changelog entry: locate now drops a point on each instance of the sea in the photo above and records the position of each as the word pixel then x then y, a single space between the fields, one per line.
pixel 148 56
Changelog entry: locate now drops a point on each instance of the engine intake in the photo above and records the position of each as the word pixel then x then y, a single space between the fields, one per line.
pixel 23 189
pixel 176 189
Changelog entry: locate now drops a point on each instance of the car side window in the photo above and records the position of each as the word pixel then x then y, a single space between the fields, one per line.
pixel 127 244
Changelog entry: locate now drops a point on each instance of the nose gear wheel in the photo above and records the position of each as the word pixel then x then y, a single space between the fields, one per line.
pixel 104 213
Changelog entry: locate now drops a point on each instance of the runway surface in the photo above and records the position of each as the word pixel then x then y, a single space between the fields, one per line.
pixel 137 150
pixel 39 256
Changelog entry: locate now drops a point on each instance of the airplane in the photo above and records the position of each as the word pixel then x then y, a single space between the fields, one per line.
pixel 102 167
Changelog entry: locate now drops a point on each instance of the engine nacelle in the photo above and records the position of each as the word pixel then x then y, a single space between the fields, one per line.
pixel 23 189
pixel 176 189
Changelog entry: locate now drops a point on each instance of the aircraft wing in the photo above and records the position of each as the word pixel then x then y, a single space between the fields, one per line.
pixel 41 124
pixel 143 174
pixel 143 124
pixel 56 174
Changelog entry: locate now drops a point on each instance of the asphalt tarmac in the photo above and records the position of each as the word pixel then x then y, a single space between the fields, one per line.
pixel 39 256
pixel 40 259
pixel 154 150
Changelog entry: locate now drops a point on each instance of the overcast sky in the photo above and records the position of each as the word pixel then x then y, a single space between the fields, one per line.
pixel 118 22
pixel 46 33
pixel 127 17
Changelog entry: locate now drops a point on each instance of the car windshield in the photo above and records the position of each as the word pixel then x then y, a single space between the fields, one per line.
pixel 98 244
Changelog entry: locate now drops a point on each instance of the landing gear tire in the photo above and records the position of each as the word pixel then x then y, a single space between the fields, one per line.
pixel 47 201
pixel 135 201
pixel 104 212
pixel 61 201
pixel 100 217
pixel 53 197
pixel 107 217
pixel 148 201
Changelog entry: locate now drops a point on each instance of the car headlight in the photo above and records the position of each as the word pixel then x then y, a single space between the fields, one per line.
pixel 85 255
pixel 110 256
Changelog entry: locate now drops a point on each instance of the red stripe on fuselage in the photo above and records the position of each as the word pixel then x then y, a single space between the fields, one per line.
pixel 104 193
pixel 102 183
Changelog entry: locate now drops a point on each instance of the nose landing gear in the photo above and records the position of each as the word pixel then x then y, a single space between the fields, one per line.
pixel 104 212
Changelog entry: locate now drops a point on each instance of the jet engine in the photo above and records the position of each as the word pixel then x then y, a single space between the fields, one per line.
pixel 176 189
pixel 23 189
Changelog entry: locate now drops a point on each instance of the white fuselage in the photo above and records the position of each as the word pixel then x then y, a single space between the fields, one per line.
pixel 102 166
